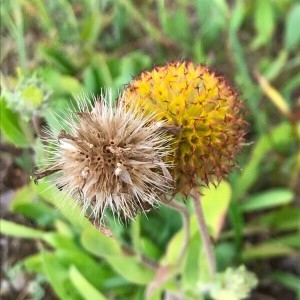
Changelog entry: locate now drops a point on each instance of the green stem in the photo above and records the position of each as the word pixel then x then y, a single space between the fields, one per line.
pixel 208 248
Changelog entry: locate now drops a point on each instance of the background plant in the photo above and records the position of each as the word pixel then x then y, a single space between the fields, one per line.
pixel 52 50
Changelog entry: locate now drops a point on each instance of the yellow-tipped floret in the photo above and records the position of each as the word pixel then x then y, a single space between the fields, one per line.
pixel 207 113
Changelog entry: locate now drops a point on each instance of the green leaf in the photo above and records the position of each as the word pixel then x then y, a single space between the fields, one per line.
pixel 135 234
pixel 10 126
pixel 91 80
pixel 267 199
pixel 173 248
pixel 266 250
pixel 58 276
pixel 286 218
pixel 95 271
pixel 42 214
pixel 237 220
pixel 99 244
pixel 131 269
pixel 292 25
pixel 281 135
pixel 290 281
pixel 215 203
pixel 24 195
pixel 83 286
pixel 21 231
pixel 190 275
pixel 243 76
pixel 61 60
pixel 180 21
pixel 276 65
pixel 226 253
pixel 58 106
pixel 60 241
pixel 237 16
pixel 290 87
pixel 212 18
pixel 291 240
pixel 65 204
pixel 150 249
pixel 123 70
pixel 34 263
pixel 91 28
pixel 60 83
pixel 264 23
pixel 174 19
pixel 26 202
pixel 63 228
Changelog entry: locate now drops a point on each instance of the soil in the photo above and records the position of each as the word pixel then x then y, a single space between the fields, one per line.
pixel 16 283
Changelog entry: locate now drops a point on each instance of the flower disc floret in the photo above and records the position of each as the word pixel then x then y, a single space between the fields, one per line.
pixel 206 112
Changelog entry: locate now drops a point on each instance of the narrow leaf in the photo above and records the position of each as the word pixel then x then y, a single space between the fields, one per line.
pixel 292 32
pixel 131 269
pixel 288 280
pixel 21 231
pixel 268 199
pixel 264 23
pixel 10 126
pixel 83 286
pixel 266 250
pixel 99 244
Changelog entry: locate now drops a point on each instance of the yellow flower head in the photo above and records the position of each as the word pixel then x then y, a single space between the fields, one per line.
pixel 206 112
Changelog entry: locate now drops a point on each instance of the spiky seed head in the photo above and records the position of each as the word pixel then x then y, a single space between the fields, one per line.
pixel 110 158
pixel 206 112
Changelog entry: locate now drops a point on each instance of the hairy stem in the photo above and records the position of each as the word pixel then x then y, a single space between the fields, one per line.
pixel 208 248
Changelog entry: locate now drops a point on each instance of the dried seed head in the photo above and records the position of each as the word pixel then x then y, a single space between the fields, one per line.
pixel 110 158
pixel 205 114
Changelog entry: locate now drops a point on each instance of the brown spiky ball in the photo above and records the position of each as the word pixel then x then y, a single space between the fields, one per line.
pixel 110 158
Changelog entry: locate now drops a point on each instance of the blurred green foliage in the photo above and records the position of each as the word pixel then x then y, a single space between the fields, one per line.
pixel 53 50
